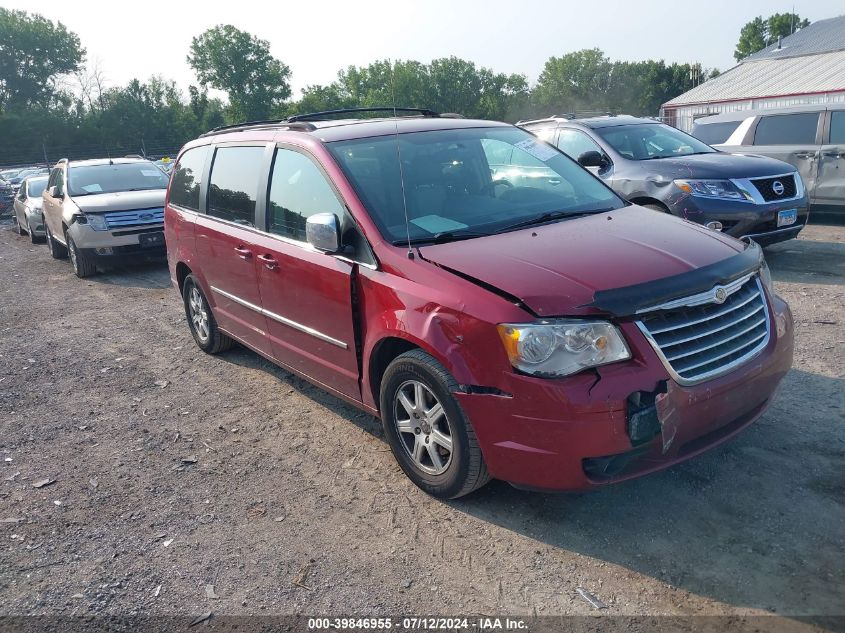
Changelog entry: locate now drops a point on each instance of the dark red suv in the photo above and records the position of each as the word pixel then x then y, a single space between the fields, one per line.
pixel 503 311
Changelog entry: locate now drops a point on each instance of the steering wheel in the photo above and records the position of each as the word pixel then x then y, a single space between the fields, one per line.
pixel 491 186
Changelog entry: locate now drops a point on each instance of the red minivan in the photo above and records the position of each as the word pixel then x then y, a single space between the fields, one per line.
pixel 501 309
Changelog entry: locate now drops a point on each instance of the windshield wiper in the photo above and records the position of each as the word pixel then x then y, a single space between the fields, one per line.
pixel 548 217
pixel 442 238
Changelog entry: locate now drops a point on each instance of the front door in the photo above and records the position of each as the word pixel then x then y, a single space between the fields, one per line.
pixel 51 206
pixel 830 182
pixel 225 246
pixel 792 138
pixel 306 294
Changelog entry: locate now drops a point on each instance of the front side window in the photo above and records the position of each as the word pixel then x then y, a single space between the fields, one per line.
pixel 187 178
pixel 233 185
pixel 468 181
pixel 787 129
pixel 298 190
pixel 86 180
pixel 575 143
pixel 837 127
pixel 647 141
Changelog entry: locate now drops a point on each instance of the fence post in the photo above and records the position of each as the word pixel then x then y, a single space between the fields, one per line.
pixel 143 149
pixel 44 148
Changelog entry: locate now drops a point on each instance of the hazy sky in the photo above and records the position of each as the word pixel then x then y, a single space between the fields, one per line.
pixel 140 39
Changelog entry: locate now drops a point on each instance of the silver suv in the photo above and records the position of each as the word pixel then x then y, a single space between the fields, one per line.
pixel 100 210
pixel 810 137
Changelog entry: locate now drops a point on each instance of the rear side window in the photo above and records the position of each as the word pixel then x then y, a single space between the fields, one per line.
pixel 837 127
pixel 187 177
pixel 574 143
pixel 787 129
pixel 298 190
pixel 714 133
pixel 233 185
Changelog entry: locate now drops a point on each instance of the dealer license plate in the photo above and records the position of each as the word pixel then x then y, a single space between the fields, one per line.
pixel 787 217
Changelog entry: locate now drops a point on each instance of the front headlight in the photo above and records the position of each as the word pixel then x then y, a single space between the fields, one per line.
pixel 562 347
pixel 766 279
pixel 719 189
pixel 96 221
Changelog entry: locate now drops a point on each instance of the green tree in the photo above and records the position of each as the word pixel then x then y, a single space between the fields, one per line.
pixel 34 52
pixel 241 65
pixel 575 81
pixel 760 33
pixel 449 84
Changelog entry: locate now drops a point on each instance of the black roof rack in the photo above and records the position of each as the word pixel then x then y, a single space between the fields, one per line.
pixel 305 127
pixel 327 113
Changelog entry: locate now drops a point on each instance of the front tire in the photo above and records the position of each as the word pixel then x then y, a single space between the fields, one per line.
pixel 428 432
pixel 32 236
pixel 657 207
pixel 83 265
pixel 201 320
pixel 57 251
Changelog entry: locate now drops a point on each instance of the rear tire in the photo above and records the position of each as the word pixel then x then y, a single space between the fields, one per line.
pixel 201 320
pixel 428 432
pixel 83 265
pixel 57 251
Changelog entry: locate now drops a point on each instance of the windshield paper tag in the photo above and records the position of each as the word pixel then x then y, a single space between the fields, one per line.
pixel 537 149
pixel 435 224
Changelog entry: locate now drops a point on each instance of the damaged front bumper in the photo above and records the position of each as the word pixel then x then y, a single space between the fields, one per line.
pixel 621 421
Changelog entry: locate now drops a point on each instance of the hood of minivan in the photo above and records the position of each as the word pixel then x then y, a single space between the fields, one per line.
pixel 120 201
pixel 718 165
pixel 556 269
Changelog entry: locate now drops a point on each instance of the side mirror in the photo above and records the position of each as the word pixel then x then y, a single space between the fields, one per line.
pixel 592 158
pixel 322 231
pixel 53 192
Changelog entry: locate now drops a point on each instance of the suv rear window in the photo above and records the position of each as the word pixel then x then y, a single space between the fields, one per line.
pixel 86 180
pixel 187 178
pixel 837 127
pixel 234 184
pixel 787 129
pixel 714 133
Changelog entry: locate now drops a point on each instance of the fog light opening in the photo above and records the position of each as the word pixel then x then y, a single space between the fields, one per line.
pixel 104 250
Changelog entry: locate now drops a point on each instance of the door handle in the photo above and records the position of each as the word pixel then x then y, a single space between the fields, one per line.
pixel 835 154
pixel 810 155
pixel 269 262
pixel 243 253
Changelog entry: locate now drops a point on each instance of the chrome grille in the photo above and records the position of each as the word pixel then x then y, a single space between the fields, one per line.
pixel 120 219
pixel 705 340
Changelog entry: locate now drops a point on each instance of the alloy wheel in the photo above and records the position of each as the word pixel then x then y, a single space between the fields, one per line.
pixel 423 427
pixel 199 313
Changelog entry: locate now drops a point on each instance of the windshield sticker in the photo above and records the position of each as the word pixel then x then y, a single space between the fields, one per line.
pixel 537 149
pixel 95 188
pixel 151 173
pixel 435 224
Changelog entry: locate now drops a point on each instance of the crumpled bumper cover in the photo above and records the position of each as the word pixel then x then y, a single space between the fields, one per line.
pixel 574 434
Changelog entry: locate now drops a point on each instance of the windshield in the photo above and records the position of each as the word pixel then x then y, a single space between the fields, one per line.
pixel 90 179
pixel 35 187
pixel 645 141
pixel 472 181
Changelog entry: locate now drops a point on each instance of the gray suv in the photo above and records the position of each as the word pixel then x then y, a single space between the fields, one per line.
pixel 811 138
pixel 659 167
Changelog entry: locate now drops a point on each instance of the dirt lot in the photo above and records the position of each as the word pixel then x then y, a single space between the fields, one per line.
pixel 175 470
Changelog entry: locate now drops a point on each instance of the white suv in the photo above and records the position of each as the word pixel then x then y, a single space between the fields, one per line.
pixel 99 210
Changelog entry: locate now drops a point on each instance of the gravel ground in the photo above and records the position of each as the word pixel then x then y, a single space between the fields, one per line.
pixel 174 471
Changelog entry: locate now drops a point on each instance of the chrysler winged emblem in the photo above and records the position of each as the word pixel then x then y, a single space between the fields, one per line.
pixel 720 294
